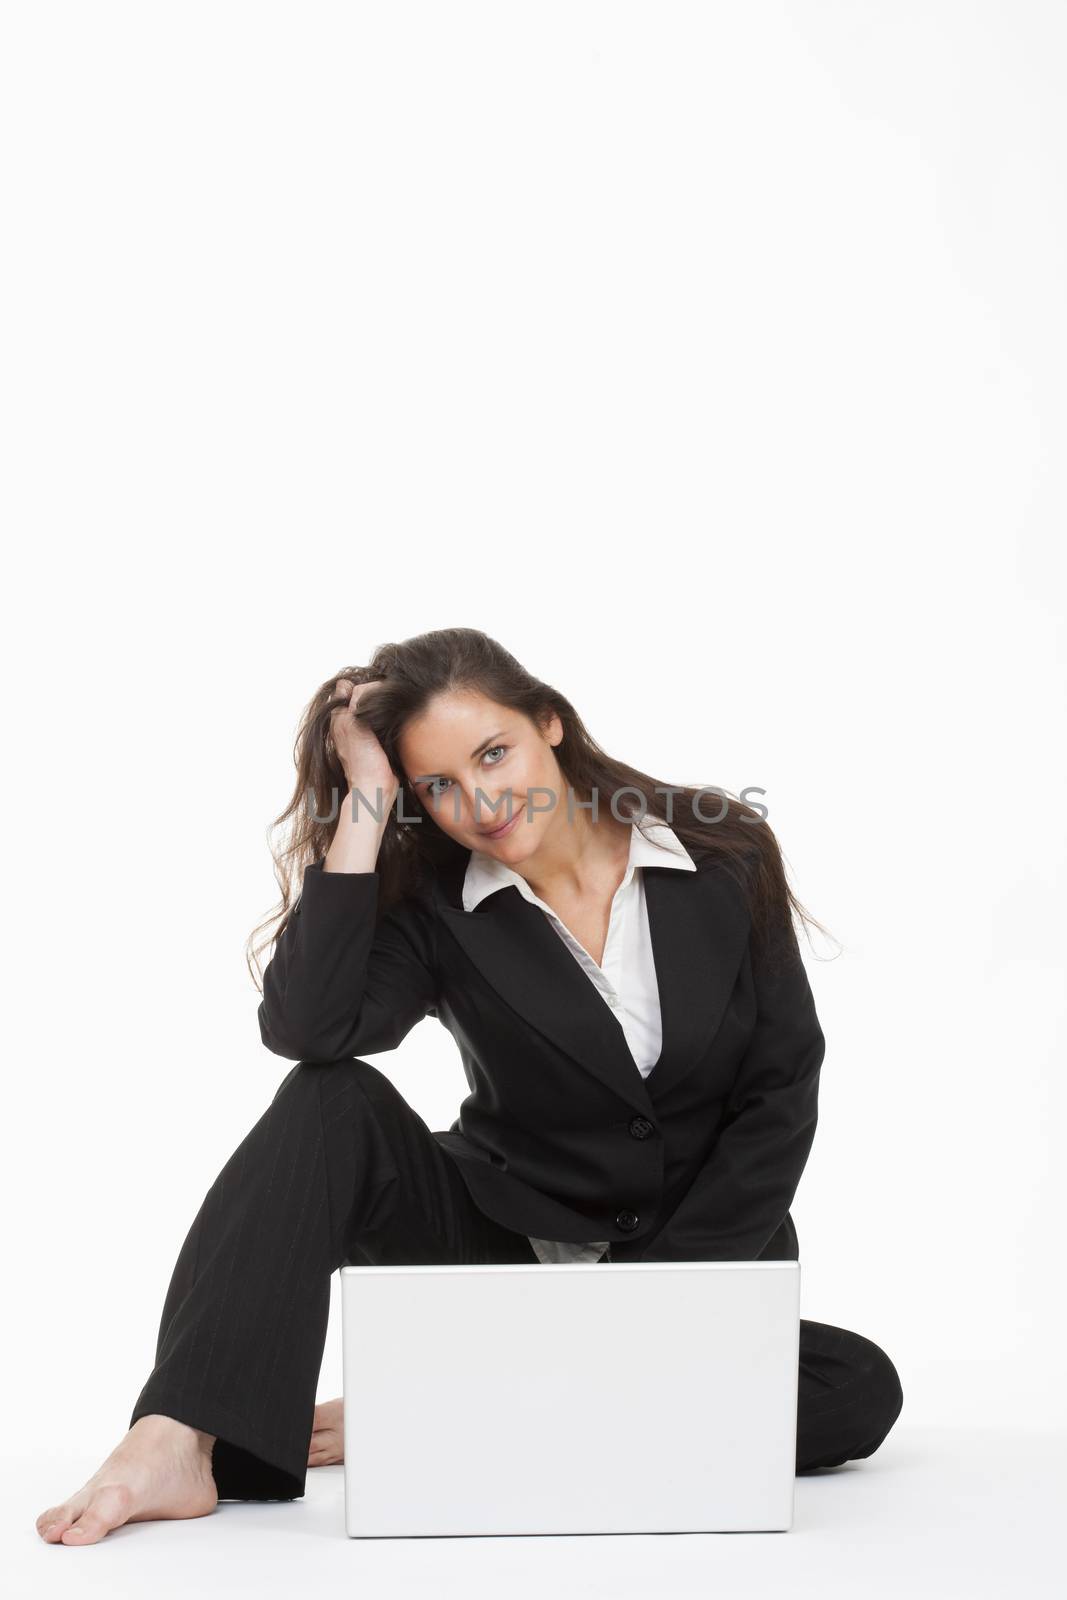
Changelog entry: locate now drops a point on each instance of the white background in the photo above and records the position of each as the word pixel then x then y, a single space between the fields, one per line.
pixel 711 358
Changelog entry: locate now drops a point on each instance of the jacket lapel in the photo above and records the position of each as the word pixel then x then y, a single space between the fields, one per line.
pixel 699 924
pixel 699 929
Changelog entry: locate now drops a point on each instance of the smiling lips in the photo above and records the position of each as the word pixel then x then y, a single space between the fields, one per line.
pixel 496 833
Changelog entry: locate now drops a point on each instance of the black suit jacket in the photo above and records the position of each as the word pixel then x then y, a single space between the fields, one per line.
pixel 560 1136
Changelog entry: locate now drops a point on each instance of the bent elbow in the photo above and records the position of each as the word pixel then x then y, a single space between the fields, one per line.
pixel 290 1046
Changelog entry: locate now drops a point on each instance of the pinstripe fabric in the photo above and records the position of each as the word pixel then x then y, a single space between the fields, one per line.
pixel 340 1169
pixel 848 1397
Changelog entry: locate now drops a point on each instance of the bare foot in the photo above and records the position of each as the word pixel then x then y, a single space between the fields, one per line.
pixel 162 1468
pixel 328 1435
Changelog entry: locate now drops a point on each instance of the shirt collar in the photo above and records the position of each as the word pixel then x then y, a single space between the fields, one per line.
pixel 652 844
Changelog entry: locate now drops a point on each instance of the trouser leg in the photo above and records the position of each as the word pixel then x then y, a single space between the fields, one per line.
pixel 338 1169
pixel 849 1396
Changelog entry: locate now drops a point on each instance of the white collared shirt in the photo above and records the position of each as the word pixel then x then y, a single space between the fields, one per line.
pixel 626 976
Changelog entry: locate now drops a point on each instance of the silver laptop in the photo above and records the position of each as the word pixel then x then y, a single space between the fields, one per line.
pixel 600 1397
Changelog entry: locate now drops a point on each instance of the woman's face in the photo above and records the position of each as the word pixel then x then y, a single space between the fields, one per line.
pixel 474 765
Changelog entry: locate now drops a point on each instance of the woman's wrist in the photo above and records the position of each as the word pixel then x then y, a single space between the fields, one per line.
pixel 358 835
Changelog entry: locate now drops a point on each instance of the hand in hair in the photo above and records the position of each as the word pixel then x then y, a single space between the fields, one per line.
pixel 365 763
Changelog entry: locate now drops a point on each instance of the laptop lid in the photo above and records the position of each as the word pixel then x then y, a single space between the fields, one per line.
pixel 600 1397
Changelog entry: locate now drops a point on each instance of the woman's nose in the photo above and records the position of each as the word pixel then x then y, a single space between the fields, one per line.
pixel 489 810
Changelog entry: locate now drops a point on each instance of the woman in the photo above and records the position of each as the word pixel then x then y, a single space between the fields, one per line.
pixel 617 963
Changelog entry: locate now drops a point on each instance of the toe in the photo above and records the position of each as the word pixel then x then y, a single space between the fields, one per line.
pixel 90 1528
pixel 51 1523
pixel 110 1506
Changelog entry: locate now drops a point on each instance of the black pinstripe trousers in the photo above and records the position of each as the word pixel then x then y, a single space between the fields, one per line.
pixel 340 1170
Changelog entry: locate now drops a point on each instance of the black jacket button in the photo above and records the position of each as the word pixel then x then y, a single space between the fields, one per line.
pixel 627 1220
pixel 640 1127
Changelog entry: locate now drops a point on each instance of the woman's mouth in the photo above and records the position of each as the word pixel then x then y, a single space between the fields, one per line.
pixel 505 827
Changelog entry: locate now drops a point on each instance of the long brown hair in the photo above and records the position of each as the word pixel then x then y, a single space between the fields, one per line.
pixel 407 676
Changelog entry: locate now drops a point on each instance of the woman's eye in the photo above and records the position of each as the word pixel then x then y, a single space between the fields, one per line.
pixel 432 785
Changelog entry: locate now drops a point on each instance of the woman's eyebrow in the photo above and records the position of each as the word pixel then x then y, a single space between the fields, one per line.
pixel 485 744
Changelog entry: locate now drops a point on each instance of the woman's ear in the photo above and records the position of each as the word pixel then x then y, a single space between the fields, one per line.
pixel 552 730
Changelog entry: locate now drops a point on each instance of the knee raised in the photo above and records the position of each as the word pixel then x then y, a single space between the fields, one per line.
pixel 370 1080
pixel 312 1076
pixel 883 1380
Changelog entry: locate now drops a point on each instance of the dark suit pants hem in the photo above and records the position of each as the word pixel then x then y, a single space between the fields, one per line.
pixel 245 1464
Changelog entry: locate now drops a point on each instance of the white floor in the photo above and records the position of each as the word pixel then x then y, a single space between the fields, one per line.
pixel 935 1513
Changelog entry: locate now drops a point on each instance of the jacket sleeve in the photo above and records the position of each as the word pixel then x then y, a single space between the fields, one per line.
pixel 341 983
pixel 742 1193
